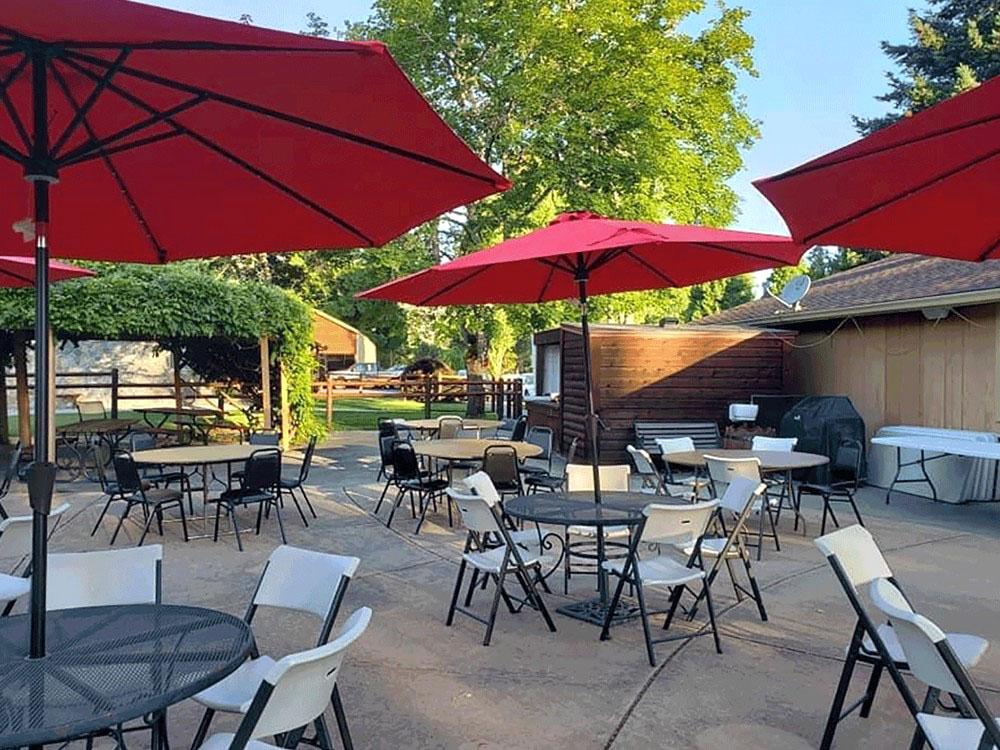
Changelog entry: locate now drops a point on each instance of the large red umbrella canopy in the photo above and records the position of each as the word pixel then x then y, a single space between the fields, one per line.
pixel 17 271
pixel 175 136
pixel 614 256
pixel 926 184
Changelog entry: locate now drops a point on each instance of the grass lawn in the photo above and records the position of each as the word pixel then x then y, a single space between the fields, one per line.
pixel 362 413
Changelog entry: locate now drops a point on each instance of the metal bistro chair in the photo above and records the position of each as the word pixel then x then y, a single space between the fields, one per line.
pixel 448 427
pixel 291 484
pixel 481 514
pixel 856 560
pixel 520 429
pixel 293 694
pixel 845 477
pixel 721 471
pixel 135 492
pixel 933 661
pixel 542 463
pixel 410 479
pixel 293 580
pixel 580 478
pixel 554 481
pixel 260 487
pixel 10 457
pixel 674 525
pixel 500 464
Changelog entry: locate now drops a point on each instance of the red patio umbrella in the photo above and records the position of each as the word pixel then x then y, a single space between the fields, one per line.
pixel 163 135
pixel 927 184
pixel 18 271
pixel 582 253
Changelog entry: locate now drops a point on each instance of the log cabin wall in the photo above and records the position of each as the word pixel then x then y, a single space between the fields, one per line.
pixel 665 374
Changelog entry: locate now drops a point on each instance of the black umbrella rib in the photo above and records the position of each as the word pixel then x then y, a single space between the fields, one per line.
pixel 28 280
pixel 904 194
pixel 90 147
pixel 607 256
pixel 161 254
pixel 545 284
pixel 738 251
pixel 130 146
pixel 90 101
pixel 807 168
pixel 453 285
pixel 650 267
pixel 285 117
pixel 990 249
pixel 15 118
pixel 228 155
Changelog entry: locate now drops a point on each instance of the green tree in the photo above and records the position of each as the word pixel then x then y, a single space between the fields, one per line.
pixel 738 289
pixel 953 46
pixel 585 104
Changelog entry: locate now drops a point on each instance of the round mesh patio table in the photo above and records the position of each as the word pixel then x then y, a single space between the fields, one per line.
pixel 108 665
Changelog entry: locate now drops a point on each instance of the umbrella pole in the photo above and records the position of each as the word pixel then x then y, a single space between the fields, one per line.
pixel 590 425
pixel 40 173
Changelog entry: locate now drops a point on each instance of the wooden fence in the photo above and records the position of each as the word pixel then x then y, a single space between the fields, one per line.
pixel 504 398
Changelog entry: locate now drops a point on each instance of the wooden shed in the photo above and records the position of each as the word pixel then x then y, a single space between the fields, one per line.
pixel 339 344
pixel 681 373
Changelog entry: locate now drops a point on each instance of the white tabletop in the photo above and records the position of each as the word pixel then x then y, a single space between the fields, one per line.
pixel 188 455
pixel 951 446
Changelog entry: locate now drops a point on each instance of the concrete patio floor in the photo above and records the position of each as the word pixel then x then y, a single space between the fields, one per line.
pixel 410 682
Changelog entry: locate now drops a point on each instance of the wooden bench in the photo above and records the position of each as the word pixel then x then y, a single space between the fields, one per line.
pixel 704 434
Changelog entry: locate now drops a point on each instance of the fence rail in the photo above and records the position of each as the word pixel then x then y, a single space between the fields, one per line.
pixel 502 397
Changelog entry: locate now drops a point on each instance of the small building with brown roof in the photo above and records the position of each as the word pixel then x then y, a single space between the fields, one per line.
pixel 338 344
pixel 912 340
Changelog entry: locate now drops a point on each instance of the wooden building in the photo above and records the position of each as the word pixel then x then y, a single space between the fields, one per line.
pixel 338 344
pixel 911 340
pixel 682 373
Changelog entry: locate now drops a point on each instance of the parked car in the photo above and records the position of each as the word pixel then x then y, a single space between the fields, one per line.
pixel 357 371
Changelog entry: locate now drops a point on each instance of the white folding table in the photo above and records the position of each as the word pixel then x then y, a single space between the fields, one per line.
pixel 936 447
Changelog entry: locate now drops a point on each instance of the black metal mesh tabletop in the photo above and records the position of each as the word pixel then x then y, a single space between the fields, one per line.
pixel 107 665
pixel 579 508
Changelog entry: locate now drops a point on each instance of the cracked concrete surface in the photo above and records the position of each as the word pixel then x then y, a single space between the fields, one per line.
pixel 413 683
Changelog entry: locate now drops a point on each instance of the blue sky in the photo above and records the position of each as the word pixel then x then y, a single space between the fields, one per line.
pixel 819 63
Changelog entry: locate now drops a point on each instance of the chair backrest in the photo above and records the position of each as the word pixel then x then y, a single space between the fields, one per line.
pixel 448 427
pixel 303 580
pixel 126 472
pixel 263 470
pixel 500 463
pixel 107 577
pixel 296 690
pixel 386 427
pixel 506 428
pixel 543 438
pixel 91 409
pixel 580 478
pixel 468 433
pixel 520 428
pixel 740 492
pixel 642 461
pixel 265 438
pixel 307 459
pixel 10 457
pixel 724 470
pixel 677 524
pixel 856 553
pixel 140 441
pixel 15 534
pixel 674 445
pixel 847 459
pixel 405 465
pixel 385 446
pixel 476 497
pixel 571 454
pixel 764 443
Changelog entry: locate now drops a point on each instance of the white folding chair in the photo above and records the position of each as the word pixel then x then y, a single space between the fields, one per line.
pixel 856 560
pixel 933 660
pixel 293 694
pixel 721 471
pixel 15 546
pixel 293 579
pixel 104 578
pixel 691 479
pixel 675 526
pixel 580 478
pixel 480 512
pixel 781 482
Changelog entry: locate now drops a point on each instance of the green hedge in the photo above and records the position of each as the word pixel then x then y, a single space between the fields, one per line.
pixel 215 323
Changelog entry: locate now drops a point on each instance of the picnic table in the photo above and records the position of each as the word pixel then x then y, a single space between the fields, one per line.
pixel 85 435
pixel 190 417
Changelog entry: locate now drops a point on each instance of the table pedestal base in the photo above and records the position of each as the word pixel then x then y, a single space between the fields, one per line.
pixel 594 611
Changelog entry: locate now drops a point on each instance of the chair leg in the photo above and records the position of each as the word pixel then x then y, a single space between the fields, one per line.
pixel 425 502
pixel 260 516
pixel 298 507
pixel 184 525
pixel 396 504
pixel 472 586
pixel 121 520
pixel 870 690
pixel 854 507
pixel 281 524
pixel 928 707
pixel 758 597
pixel 644 616
pixel 206 721
pixel 615 598
pixel 309 504
pixel 454 594
pixel 841 692
pixel 218 512
pixel 236 528
pixel 774 529
pixel 711 617
pixel 385 489
pixel 145 528
pixel 341 717
pixel 528 584
pixel 494 607
pixel 100 518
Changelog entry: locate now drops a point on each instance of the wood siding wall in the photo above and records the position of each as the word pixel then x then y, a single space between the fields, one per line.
pixel 905 369
pixel 670 374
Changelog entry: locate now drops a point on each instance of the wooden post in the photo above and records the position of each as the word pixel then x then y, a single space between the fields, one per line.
pixel 178 395
pixel 114 393
pixel 329 402
pixel 21 384
pixel 286 414
pixel 427 397
pixel 265 382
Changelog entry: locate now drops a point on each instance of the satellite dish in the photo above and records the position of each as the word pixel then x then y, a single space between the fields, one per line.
pixel 796 288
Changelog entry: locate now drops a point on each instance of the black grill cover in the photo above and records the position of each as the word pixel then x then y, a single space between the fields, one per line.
pixel 820 423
